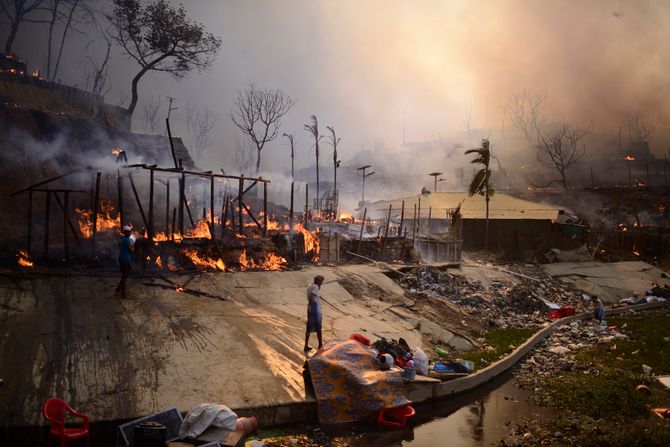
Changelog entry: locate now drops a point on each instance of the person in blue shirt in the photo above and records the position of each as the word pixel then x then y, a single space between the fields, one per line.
pixel 125 255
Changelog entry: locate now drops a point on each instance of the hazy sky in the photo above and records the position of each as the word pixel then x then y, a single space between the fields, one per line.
pixel 361 65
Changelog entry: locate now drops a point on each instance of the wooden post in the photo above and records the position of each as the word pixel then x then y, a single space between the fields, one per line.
pixel 211 205
pixel 180 209
pixel 46 224
pixel 150 229
pixel 232 216
pixel 306 202
pixel 290 212
pixel 167 207
pixel 137 199
pixel 360 237
pixel 414 226
pixel 174 155
pixel 224 213
pixel 30 221
pixel 66 206
pixel 96 202
pixel 402 218
pixel 386 233
pixel 119 196
pixel 239 203
pixel 418 222
pixel 174 222
pixel 265 209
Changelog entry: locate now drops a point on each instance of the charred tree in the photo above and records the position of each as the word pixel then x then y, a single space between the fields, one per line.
pixel 559 150
pixel 313 129
pixel 525 111
pixel 18 11
pixel 258 113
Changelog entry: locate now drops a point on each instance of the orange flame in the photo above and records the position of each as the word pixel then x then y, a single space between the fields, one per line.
pixel 24 259
pixel 116 151
pixel 629 157
pixel 270 262
pixel 159 263
pixel 106 221
pixel 311 240
pixel 205 261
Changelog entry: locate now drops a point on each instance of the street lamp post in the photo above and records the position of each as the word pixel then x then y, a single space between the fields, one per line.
pixel 365 174
pixel 435 175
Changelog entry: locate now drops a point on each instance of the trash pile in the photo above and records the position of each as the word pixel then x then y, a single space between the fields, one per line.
pixel 555 354
pixel 503 304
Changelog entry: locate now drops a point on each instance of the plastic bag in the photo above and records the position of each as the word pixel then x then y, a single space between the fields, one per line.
pixel 420 362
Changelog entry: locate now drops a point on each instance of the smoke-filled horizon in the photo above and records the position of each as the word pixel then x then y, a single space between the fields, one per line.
pixel 384 72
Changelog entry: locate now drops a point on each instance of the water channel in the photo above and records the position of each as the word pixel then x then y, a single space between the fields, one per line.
pixel 478 418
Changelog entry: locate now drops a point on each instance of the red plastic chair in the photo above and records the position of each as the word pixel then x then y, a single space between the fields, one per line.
pixel 54 412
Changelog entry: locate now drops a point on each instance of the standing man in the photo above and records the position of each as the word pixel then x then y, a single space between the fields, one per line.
pixel 314 316
pixel 126 245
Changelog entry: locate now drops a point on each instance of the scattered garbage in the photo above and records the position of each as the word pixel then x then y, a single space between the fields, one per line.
pixel 646 369
pixel 420 362
pixel 643 389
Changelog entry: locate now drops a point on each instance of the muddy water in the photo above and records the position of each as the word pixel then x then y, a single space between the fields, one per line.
pixel 479 418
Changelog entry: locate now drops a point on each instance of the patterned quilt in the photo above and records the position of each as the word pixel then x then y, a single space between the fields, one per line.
pixel 348 384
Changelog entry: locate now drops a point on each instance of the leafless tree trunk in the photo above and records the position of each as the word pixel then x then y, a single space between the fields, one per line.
pixel 291 142
pixel 334 141
pixel 641 126
pixel 313 129
pixel 525 110
pixel 19 11
pixel 150 108
pixel 96 75
pixel 199 124
pixel 243 156
pixel 558 150
pixel 258 113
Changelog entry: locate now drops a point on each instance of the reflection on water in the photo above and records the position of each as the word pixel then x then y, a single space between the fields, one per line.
pixel 479 418
pixel 482 421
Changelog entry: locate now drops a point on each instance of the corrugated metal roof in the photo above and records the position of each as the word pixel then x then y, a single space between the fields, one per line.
pixel 501 206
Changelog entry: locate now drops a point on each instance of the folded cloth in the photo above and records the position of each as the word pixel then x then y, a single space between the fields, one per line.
pixel 202 416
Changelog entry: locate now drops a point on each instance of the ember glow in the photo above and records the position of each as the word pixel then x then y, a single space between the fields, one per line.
pixel 270 262
pixel 311 239
pixel 116 151
pixel 629 157
pixel 107 219
pixel 205 261
pixel 24 259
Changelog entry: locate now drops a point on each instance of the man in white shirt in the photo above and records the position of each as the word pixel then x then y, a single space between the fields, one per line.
pixel 314 316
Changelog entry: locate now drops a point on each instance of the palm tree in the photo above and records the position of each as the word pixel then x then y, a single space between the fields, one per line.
pixel 313 129
pixel 481 182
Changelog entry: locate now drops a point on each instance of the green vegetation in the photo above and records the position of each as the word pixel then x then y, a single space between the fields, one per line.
pixel 602 392
pixel 500 340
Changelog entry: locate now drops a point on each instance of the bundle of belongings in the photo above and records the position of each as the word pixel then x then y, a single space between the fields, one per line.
pixel 349 384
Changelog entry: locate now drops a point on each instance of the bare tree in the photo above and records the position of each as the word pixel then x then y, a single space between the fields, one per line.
pixel 525 110
pixel 16 12
pixel 72 14
pixel 313 129
pixel 199 122
pixel 258 113
pixel 291 142
pixel 160 37
pixel 558 150
pixel 334 141
pixel 150 108
pixel 641 126
pixel 96 78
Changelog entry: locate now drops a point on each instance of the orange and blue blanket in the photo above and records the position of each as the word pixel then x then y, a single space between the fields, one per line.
pixel 348 384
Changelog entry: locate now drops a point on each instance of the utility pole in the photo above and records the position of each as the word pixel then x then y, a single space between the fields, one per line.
pixel 170 108
pixel 435 175
pixel 365 175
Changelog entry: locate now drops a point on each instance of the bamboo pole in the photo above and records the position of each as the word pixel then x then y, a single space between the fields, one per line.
pixel 211 205
pixel 167 207
pixel 174 222
pixel 290 212
pixel 239 202
pixel 96 202
pixel 150 229
pixel 137 199
pixel 360 237
pixel 386 233
pixel 418 222
pixel 66 206
pixel 30 222
pixel 402 218
pixel 46 224
pixel 73 230
pixel 180 208
pixel 119 196
pixel 265 209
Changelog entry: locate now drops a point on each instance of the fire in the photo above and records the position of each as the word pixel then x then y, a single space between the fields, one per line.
pixel 311 239
pixel 345 217
pixel 201 230
pixel 273 225
pixel 159 263
pixel 24 259
pixel 205 261
pixel 160 237
pixel 106 221
pixel 270 262
pixel 116 151
pixel 629 157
